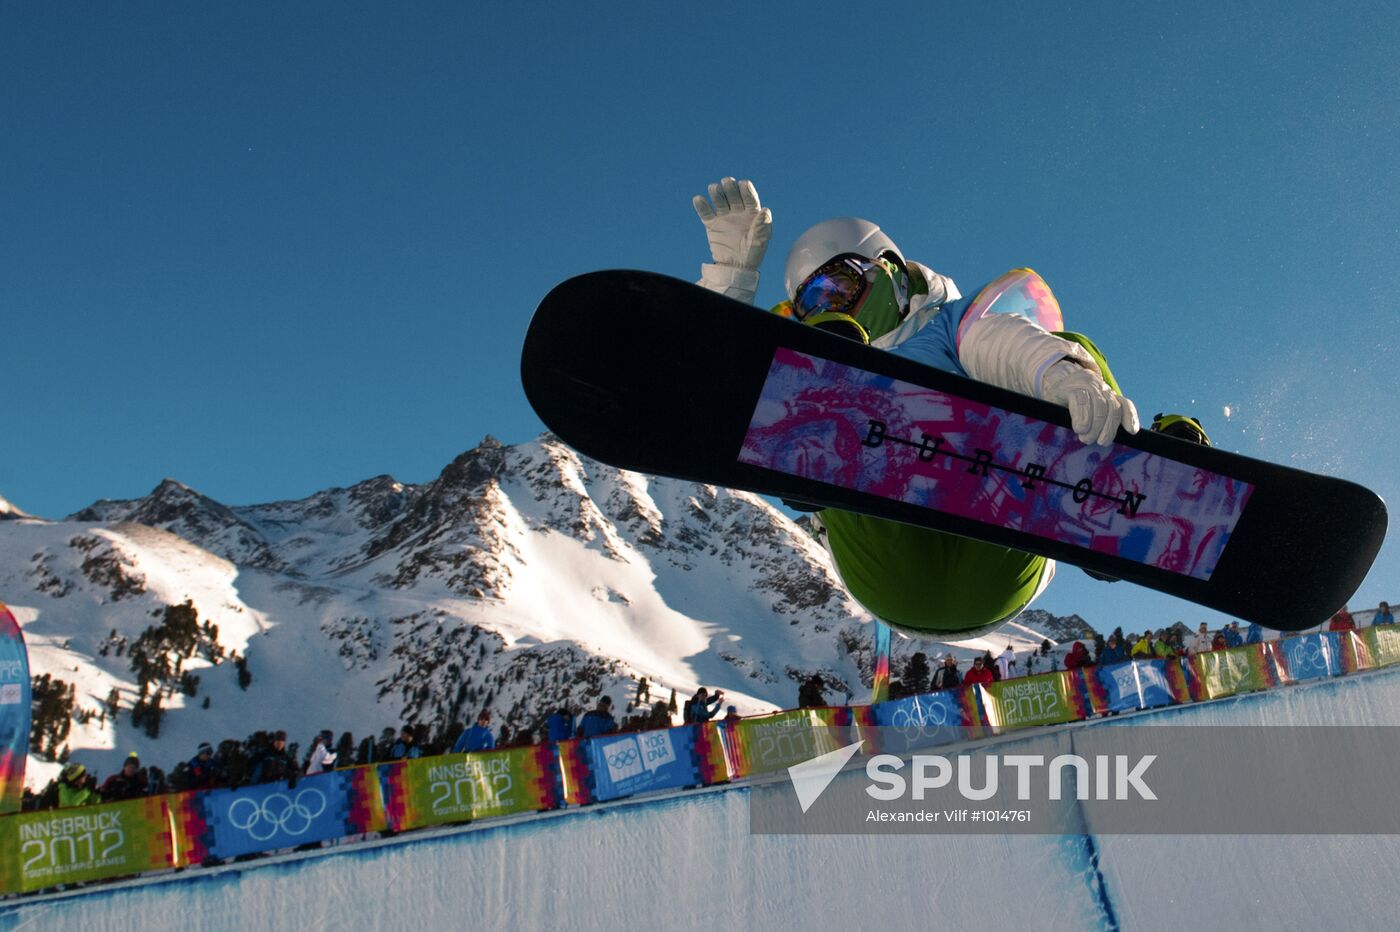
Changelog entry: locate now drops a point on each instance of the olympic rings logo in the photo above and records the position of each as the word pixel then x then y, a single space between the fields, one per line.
pixel 277 813
pixel 624 758
pixel 930 717
pixel 1308 653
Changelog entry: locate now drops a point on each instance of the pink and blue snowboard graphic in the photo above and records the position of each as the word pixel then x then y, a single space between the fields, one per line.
pixel 836 424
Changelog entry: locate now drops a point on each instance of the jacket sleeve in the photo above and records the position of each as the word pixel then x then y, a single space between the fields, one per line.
pixel 729 280
pixel 1011 351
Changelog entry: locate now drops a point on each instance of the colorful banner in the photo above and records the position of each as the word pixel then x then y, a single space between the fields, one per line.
pixel 1138 684
pixel 880 676
pixel 576 783
pixel 64 846
pixel 268 816
pixel 1384 641
pixel 14 711
pixel 463 787
pixel 1356 651
pixel 776 742
pixel 1046 699
pixel 1221 673
pixel 644 761
pixel 1311 656
pixel 916 722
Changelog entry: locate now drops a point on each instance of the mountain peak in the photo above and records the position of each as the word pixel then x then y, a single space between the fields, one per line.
pixel 8 511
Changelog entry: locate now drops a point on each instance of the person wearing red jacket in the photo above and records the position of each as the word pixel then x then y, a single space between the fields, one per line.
pixel 1077 657
pixel 1342 621
pixel 979 673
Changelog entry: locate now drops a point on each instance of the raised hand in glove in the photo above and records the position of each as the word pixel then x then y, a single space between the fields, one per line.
pixel 1095 410
pixel 739 228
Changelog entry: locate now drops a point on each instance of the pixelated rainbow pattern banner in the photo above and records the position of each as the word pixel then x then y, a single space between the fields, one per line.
pixel 836 424
pixel 14 711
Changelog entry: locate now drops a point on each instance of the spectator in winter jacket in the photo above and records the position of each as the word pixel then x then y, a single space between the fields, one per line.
pixel 1142 647
pixel 203 773
pixel 560 725
pixel 322 754
pixel 1077 657
pixel 476 738
pixel 77 787
pixel 660 716
pixel 1161 647
pixel 273 763
pixel 702 706
pixel 1233 638
pixel 1218 642
pixel 1112 651
pixel 812 693
pixel 1253 634
pixel 1383 615
pixel 947 676
pixel 406 748
pixel 1006 664
pixel 598 721
pixel 1200 641
pixel 979 672
pixel 128 783
pixel 990 664
pixel 1342 621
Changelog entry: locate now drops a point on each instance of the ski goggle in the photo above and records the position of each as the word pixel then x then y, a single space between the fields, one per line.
pixel 839 285
pixel 1181 427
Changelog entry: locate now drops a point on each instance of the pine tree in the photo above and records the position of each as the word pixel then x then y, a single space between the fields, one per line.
pixel 916 674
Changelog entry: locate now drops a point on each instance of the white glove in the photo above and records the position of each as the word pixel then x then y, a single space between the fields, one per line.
pixel 739 229
pixel 1014 352
pixel 1095 410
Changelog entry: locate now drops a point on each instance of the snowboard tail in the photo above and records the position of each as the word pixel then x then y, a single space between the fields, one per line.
pixel 660 376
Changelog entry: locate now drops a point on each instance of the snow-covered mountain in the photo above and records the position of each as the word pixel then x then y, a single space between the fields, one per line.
pixel 522 578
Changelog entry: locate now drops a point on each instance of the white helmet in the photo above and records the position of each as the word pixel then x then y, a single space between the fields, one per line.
pixel 831 238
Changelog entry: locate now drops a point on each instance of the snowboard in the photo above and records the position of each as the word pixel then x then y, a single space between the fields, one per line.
pixel 659 376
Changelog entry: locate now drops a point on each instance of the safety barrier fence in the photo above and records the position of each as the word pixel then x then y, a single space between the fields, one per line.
pixel 54 847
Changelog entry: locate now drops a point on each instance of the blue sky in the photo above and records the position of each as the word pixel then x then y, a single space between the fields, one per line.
pixel 267 248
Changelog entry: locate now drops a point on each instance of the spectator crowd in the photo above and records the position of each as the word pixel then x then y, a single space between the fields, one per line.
pixel 266 757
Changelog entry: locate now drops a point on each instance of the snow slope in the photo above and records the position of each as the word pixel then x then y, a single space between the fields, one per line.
pixel 689 862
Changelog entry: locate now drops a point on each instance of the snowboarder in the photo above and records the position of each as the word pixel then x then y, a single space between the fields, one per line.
pixel 848 276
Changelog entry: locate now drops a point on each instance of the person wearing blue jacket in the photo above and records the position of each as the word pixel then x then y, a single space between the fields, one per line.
pixel 1113 651
pixel 598 721
pixel 406 748
pixel 560 725
pixel 476 738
